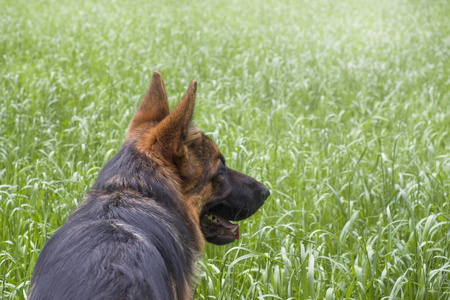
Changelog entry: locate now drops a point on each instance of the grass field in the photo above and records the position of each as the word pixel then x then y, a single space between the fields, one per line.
pixel 342 108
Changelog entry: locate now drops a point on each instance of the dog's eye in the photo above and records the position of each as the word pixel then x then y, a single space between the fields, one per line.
pixel 220 171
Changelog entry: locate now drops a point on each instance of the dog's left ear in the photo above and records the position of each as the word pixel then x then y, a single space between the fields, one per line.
pixel 153 109
pixel 170 137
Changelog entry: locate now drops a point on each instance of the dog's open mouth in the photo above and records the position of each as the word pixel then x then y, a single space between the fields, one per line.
pixel 218 230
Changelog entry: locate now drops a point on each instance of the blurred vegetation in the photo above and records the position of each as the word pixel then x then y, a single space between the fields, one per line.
pixel 341 107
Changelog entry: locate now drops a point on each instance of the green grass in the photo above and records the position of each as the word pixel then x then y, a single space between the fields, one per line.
pixel 342 108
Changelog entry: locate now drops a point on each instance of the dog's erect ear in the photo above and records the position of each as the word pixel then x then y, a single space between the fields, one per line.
pixel 154 108
pixel 170 136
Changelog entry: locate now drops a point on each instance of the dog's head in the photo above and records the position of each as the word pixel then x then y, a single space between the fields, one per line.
pixel 214 193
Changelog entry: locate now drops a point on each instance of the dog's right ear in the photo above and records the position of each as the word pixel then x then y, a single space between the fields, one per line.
pixel 172 135
pixel 153 109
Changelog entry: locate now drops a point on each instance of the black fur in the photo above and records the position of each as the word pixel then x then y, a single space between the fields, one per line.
pixel 126 241
pixel 240 196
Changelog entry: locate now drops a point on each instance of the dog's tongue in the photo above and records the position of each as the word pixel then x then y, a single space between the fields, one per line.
pixel 230 229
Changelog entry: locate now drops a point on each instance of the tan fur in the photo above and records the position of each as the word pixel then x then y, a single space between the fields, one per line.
pixel 153 109
pixel 184 154
pixel 166 137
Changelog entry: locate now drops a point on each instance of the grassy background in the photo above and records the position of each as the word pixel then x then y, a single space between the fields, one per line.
pixel 341 107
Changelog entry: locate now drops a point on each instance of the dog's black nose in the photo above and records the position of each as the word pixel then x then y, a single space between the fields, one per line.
pixel 265 193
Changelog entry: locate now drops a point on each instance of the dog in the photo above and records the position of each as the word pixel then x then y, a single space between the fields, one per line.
pixel 143 224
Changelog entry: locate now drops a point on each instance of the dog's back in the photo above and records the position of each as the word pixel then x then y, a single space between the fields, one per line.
pixel 119 244
pixel 115 248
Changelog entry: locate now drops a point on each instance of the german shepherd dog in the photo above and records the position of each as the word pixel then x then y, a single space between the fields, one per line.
pixel 143 224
